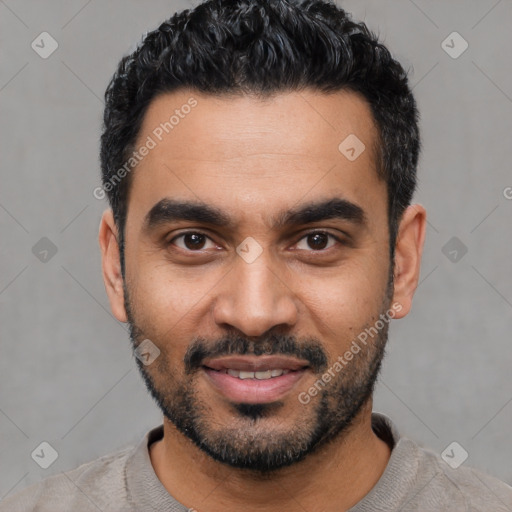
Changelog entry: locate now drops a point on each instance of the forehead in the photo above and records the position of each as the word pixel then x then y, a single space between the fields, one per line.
pixel 231 122
pixel 255 152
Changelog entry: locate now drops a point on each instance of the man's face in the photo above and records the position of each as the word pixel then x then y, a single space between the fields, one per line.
pixel 249 307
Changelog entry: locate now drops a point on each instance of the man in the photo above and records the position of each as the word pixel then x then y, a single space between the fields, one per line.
pixel 260 160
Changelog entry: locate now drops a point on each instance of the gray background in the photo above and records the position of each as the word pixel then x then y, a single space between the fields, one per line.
pixel 66 372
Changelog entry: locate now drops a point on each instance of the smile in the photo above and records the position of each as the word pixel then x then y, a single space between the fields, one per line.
pixel 254 379
pixel 261 375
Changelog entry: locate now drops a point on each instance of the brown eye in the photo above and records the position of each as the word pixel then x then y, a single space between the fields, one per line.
pixel 191 241
pixel 194 241
pixel 317 241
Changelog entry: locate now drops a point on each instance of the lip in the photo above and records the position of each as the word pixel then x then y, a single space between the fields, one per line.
pixel 254 391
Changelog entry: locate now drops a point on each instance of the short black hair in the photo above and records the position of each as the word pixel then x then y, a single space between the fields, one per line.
pixel 263 47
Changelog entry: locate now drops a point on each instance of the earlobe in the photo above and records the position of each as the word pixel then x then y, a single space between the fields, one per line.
pixel 408 252
pixel 111 265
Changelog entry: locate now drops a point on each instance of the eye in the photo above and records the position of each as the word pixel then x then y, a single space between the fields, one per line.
pixel 192 241
pixel 318 241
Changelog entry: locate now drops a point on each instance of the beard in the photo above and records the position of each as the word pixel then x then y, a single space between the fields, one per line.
pixel 252 437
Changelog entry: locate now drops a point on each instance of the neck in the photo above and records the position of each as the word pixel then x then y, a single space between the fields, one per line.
pixel 348 469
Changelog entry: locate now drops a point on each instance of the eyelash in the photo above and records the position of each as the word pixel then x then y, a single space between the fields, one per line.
pixel 181 235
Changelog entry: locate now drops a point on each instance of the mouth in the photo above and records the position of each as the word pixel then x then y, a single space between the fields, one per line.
pixel 254 379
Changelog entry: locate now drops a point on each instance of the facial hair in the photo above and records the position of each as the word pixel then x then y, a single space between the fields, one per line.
pixel 250 442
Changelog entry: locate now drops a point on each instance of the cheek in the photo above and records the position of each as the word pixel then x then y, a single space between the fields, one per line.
pixel 162 290
pixel 340 304
pixel 167 306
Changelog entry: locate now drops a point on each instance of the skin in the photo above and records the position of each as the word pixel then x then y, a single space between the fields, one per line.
pixel 254 159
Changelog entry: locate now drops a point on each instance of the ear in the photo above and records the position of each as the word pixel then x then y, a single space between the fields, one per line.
pixel 111 265
pixel 408 251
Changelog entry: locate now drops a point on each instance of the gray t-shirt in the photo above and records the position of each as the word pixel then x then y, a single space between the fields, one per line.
pixel 415 479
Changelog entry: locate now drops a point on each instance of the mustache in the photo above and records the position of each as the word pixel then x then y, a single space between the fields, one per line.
pixel 309 349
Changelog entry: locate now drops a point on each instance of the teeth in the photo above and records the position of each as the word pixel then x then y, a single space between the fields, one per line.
pixel 263 375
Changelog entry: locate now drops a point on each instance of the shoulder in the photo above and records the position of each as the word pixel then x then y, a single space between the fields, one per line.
pixel 93 486
pixel 463 487
pixel 420 480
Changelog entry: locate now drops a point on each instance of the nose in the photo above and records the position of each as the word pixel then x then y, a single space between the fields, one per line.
pixel 254 298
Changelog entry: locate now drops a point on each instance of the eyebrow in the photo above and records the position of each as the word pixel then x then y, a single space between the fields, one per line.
pixel 171 210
